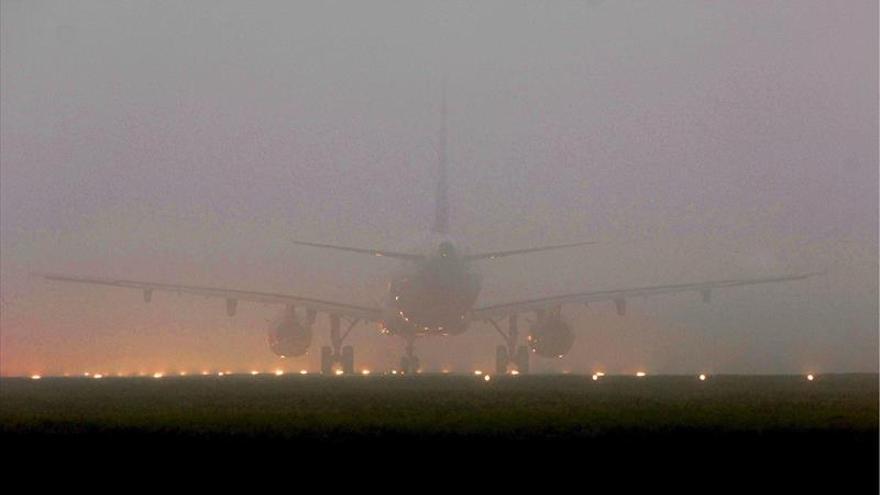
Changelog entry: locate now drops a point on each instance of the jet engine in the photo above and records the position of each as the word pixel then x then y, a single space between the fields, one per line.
pixel 288 336
pixel 551 336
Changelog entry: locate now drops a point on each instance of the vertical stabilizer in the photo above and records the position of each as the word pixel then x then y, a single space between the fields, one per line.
pixel 441 202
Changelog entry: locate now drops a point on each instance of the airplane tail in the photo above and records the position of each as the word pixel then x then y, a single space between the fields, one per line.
pixel 441 201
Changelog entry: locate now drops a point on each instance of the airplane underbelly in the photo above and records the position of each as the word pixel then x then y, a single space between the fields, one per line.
pixel 429 309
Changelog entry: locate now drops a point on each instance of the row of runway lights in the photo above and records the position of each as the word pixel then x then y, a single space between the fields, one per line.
pixel 486 377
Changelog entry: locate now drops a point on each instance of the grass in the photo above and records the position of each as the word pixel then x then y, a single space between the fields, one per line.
pixel 533 407
pixel 755 432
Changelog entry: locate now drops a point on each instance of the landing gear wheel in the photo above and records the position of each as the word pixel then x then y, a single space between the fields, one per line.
pixel 326 360
pixel 522 359
pixel 348 360
pixel 501 360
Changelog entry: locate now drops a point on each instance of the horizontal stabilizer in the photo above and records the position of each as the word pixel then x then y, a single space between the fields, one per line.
pixel 372 252
pixel 501 254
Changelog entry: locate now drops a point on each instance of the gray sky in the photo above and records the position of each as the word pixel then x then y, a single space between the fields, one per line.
pixel 190 141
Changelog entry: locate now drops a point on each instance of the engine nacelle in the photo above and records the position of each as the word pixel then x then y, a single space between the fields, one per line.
pixel 288 337
pixel 551 336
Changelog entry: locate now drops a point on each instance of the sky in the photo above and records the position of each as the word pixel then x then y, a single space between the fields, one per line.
pixel 190 142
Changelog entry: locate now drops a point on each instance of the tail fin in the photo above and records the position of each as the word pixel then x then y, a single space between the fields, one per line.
pixel 441 202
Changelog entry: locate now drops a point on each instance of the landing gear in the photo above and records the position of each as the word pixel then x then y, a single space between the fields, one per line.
pixel 522 359
pixel 510 353
pixel 348 360
pixel 410 362
pixel 502 359
pixel 327 360
pixel 337 354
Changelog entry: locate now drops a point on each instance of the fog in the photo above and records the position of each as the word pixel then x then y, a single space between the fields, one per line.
pixel 190 142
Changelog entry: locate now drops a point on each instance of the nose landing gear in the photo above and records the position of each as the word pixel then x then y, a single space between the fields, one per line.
pixel 410 362
pixel 337 354
pixel 510 353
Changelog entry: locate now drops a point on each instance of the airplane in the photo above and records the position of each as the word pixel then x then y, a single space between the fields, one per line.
pixel 436 294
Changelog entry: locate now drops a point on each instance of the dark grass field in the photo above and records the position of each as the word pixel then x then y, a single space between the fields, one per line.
pixel 826 429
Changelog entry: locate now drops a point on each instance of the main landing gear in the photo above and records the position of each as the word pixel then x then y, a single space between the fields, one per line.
pixel 337 354
pixel 410 362
pixel 510 353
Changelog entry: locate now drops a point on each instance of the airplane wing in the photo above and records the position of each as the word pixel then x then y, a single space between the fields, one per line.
pixel 373 252
pixel 619 296
pixel 232 296
pixel 501 254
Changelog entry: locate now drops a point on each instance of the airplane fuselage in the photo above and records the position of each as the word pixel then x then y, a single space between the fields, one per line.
pixel 432 298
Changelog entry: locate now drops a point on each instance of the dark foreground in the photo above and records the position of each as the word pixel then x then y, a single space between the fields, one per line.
pixel 783 430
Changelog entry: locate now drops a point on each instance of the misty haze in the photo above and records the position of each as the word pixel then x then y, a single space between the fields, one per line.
pixel 192 143
pixel 360 232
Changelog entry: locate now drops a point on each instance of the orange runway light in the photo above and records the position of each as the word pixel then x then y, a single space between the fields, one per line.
pixel 702 377
pixel 303 372
pixel 365 372
pixel 98 376
pixel 514 372
pixel 478 372
pixel 339 372
pixel 158 375
pixel 487 378
pixel 255 373
pixel 810 377
pixel 595 377
pixel 36 377
pixel 279 372
pixel 640 374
